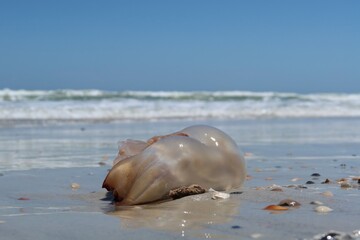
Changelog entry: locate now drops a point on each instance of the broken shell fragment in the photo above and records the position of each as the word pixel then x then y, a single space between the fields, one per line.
pixel 275 208
pixel 219 195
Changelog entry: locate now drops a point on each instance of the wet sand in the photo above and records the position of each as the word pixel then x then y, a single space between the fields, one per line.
pixel 281 155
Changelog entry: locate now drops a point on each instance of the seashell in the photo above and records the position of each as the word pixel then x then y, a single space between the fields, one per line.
pixel 289 203
pixel 75 186
pixel 276 208
pixel 145 172
pixel 322 209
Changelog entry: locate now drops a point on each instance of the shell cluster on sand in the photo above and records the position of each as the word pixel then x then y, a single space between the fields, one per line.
pixel 146 171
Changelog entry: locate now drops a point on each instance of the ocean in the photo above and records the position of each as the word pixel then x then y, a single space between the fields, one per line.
pixel 24 106
pixel 80 128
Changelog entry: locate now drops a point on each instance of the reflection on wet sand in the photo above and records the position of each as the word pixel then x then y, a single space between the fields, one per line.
pixel 185 216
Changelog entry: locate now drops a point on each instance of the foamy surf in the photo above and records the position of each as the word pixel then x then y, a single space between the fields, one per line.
pixel 58 105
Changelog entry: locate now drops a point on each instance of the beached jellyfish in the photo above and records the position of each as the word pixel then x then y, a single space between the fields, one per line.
pixel 145 172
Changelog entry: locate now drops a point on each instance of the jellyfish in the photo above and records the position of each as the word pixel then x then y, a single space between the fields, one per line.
pixel 201 155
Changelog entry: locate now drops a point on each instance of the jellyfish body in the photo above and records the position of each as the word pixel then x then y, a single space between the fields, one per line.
pixel 145 172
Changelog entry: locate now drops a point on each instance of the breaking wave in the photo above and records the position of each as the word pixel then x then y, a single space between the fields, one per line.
pixel 147 105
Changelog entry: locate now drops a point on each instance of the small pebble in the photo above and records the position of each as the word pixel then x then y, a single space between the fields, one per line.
pixel 296 186
pixel 327 194
pixel 1 174
pixel 341 180
pixel 276 189
pixel 295 179
pixel 256 235
pixel 102 163
pixel 345 185
pixel 289 203
pixel 315 175
pixel 316 203
pixel 359 181
pixel 23 199
pixel 343 165
pixel 310 182
pixel 75 186
pixel 322 209
pixel 235 227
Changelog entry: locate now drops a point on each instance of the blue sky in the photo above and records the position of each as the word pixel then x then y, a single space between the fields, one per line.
pixel 288 46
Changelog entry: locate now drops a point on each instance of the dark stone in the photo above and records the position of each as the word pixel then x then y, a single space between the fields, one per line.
pixel 235 227
pixel 326 181
pixel 236 192
pixel 310 182
pixel 315 175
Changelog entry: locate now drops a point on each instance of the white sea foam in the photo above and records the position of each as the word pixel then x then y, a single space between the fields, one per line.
pixel 142 105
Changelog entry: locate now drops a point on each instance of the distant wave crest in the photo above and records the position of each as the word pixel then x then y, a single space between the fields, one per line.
pixel 147 105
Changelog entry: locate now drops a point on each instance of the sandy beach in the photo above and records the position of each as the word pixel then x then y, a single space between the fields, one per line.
pixel 286 159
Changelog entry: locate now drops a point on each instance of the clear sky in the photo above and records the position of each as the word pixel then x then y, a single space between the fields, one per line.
pixel 293 46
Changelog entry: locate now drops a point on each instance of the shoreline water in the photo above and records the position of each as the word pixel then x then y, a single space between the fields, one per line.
pixel 38 163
